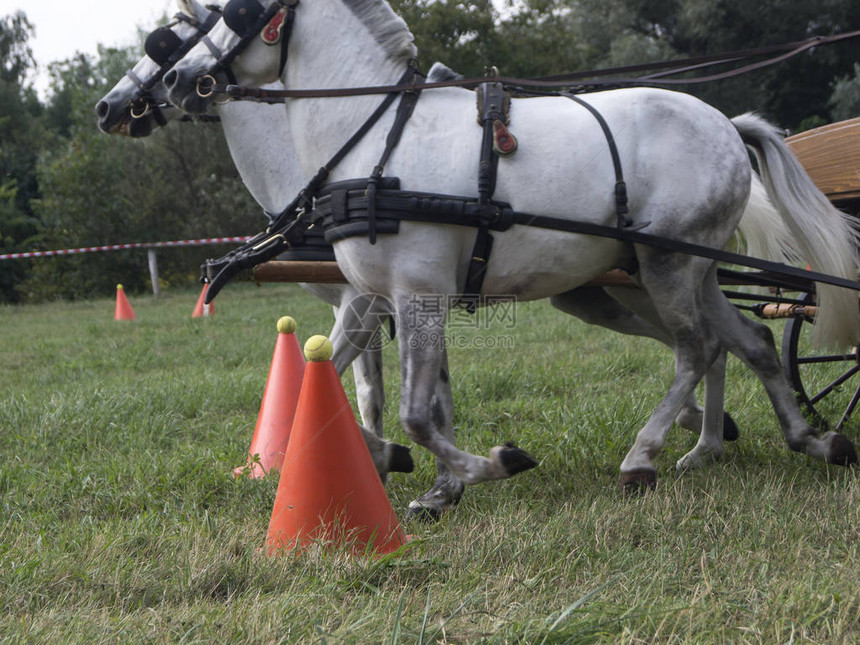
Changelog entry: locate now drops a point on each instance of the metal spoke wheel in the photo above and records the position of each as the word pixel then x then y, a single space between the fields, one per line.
pixel 827 384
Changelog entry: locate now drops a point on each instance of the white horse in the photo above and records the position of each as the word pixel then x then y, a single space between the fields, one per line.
pixel 688 177
pixel 256 136
pixel 254 132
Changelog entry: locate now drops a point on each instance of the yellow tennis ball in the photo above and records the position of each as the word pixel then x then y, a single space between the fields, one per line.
pixel 286 325
pixel 318 349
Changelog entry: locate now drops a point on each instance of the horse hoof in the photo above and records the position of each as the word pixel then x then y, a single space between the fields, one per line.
pixel 730 428
pixel 841 452
pixel 400 459
pixel 419 513
pixel 515 460
pixel 638 481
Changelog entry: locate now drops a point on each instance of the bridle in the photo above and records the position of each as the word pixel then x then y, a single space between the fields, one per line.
pixel 247 19
pixel 165 49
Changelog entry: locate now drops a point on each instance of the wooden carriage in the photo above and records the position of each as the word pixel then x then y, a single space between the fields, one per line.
pixel 831 156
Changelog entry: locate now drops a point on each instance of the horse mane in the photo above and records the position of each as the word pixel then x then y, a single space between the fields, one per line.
pixel 387 28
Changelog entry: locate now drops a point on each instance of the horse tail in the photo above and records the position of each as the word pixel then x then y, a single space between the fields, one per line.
pixel 762 233
pixel 821 236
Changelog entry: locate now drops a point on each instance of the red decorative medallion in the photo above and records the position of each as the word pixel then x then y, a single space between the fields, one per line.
pixel 271 34
pixel 504 143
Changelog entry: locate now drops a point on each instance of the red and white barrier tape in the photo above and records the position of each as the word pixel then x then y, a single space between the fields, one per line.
pixel 121 247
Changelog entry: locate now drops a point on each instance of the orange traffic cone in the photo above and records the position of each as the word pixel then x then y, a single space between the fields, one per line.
pixel 272 433
pixel 202 309
pixel 329 490
pixel 123 309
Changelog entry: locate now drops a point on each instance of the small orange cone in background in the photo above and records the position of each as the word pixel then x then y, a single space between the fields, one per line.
pixel 202 309
pixel 278 407
pixel 329 488
pixel 123 309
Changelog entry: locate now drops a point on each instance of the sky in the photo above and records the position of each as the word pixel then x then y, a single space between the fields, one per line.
pixel 65 27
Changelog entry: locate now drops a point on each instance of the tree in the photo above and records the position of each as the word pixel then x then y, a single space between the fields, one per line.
pixel 845 100
pixel 21 136
pixel 16 57
pixel 459 33
pixel 99 189
pixel 789 92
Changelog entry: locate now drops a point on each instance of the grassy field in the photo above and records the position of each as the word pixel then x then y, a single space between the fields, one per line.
pixel 121 521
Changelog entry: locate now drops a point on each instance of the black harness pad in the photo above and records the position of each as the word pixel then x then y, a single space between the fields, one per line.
pixel 160 45
pixel 242 15
pixel 314 248
pixel 342 209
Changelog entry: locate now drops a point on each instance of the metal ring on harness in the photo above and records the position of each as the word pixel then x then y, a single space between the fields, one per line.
pixel 139 115
pixel 204 92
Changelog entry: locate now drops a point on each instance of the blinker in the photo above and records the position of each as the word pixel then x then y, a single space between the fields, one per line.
pixel 242 15
pixel 161 44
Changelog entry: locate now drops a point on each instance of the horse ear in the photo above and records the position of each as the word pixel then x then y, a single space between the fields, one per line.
pixel 187 7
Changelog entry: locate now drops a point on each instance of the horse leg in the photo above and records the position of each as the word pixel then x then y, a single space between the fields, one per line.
pixel 753 343
pixel 710 445
pixel 447 489
pixel 672 281
pixel 369 387
pixel 352 340
pixel 421 360
pixel 630 311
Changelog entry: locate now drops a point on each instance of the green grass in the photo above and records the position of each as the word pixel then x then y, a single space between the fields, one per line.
pixel 121 522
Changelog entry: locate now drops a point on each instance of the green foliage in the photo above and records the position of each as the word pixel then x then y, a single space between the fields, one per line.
pixel 136 191
pixel 16 57
pixel 21 138
pixel 846 96
pixel 541 37
pixel 16 228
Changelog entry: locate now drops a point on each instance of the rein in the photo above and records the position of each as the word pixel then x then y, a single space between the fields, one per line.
pixel 582 81
pixel 378 200
pixel 288 228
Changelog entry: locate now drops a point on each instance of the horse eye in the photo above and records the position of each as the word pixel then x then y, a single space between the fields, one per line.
pixel 160 44
pixel 242 15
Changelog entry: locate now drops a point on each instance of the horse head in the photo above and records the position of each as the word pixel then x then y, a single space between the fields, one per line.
pixel 231 51
pixel 138 102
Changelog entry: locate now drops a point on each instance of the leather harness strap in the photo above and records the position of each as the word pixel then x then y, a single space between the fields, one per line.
pixel 581 81
pixel 342 207
pixel 491 103
pixel 288 227
pixel 621 207
pixel 404 111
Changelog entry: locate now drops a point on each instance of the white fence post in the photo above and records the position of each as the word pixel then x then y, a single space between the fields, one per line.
pixel 153 272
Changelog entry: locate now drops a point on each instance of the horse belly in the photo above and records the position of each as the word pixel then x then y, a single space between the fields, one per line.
pixel 421 258
pixel 531 263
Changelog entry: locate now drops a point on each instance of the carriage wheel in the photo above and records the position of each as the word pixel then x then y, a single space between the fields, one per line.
pixel 827 384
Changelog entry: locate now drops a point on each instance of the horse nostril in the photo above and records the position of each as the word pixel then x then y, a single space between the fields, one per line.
pixel 170 78
pixel 102 109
